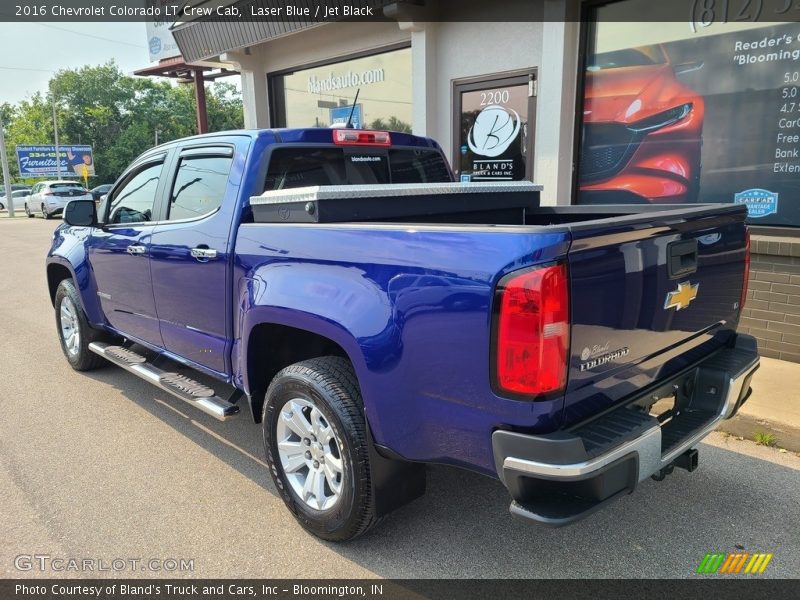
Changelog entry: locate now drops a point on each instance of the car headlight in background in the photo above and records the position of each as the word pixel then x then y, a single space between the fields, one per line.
pixel 662 119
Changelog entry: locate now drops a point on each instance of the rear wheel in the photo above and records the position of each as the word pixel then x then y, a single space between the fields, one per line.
pixel 28 211
pixel 74 331
pixel 315 438
pixel 45 214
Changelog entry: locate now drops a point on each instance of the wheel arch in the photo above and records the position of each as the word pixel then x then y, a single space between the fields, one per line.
pixel 272 346
pixel 56 273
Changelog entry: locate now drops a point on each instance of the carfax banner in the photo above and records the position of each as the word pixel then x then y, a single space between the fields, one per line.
pixel 40 161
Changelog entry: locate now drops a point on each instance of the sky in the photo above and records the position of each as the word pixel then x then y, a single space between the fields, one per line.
pixel 31 52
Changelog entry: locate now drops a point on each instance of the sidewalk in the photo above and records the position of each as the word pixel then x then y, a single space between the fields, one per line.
pixel 774 406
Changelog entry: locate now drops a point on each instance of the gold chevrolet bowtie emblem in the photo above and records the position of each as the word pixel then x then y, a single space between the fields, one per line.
pixel 681 297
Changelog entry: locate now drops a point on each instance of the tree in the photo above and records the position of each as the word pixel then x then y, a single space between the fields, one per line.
pixel 391 124
pixel 116 114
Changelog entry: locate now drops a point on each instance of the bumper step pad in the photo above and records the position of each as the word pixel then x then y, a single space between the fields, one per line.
pixel 190 391
pixel 557 478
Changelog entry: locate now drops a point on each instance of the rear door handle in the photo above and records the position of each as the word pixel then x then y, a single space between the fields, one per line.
pixel 135 249
pixel 204 254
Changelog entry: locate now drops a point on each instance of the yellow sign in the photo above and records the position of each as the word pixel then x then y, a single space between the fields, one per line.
pixel 85 173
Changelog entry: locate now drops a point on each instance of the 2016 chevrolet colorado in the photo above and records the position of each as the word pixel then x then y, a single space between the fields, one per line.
pixel 375 316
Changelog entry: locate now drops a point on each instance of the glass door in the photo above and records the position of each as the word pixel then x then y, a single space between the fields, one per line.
pixel 493 126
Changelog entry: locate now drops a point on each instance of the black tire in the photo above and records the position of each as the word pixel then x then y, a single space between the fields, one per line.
pixel 28 211
pixel 83 359
pixel 330 384
pixel 45 214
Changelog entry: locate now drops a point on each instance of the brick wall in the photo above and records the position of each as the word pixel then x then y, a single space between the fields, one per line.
pixel 772 309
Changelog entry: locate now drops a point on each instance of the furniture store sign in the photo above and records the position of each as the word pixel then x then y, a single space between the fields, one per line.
pixel 40 161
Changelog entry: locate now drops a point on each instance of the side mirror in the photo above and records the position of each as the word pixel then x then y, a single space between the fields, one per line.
pixel 81 213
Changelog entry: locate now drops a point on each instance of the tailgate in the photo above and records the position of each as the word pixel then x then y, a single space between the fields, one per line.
pixel 650 294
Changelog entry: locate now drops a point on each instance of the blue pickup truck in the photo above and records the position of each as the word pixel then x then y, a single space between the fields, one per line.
pixel 375 316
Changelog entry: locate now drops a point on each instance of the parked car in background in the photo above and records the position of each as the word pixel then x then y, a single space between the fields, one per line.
pixel 18 191
pixel 19 196
pixel 100 191
pixel 49 198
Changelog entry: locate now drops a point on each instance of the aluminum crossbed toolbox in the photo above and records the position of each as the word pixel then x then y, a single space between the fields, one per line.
pixel 392 202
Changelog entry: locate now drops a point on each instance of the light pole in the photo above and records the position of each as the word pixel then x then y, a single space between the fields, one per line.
pixel 6 175
pixel 55 131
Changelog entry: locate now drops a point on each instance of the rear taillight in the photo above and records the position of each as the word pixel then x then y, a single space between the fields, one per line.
pixel 48 194
pixel 746 281
pixel 532 331
pixel 358 137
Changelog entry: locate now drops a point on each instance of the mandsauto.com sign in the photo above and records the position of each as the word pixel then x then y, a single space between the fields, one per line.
pixel 340 81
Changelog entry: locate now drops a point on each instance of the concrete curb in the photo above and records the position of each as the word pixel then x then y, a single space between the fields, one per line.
pixel 747 426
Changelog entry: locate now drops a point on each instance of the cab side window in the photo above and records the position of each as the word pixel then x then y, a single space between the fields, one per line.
pixel 134 201
pixel 199 186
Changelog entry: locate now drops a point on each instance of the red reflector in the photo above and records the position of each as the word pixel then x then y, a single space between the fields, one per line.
pixel 359 137
pixel 533 331
pixel 746 281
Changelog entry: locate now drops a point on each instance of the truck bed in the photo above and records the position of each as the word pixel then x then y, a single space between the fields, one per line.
pixel 511 203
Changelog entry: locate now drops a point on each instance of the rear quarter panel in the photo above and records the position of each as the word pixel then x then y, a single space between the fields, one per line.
pixel 411 306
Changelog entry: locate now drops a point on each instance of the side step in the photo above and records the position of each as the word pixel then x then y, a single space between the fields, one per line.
pixel 180 386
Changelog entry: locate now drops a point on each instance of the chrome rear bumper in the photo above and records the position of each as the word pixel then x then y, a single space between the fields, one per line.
pixel 558 478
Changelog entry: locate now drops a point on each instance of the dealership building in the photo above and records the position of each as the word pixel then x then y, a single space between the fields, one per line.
pixel 599 102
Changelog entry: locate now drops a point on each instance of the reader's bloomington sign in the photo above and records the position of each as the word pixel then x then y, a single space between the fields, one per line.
pixel 40 161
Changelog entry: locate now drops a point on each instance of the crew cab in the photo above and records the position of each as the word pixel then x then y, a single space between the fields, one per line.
pixel 375 316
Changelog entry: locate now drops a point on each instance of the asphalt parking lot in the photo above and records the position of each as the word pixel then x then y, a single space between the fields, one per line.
pixel 103 466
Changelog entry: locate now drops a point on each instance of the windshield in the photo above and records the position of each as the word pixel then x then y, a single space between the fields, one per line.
pixel 629 57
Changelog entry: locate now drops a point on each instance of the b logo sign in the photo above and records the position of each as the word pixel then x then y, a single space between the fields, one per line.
pixel 495 128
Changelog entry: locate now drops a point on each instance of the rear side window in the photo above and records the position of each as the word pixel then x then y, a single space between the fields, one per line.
pixel 300 167
pixel 199 186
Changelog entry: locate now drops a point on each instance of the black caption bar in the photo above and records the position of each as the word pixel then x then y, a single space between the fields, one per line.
pixel 696 13
pixel 374 589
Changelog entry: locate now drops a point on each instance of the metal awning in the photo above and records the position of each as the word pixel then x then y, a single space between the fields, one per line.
pixel 208 37
pixel 177 68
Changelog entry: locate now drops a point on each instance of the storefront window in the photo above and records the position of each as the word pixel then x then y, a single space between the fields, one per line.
pixel 493 141
pixel 324 96
pixel 702 113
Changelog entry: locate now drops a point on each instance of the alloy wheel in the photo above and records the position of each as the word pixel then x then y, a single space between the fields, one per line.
pixel 70 331
pixel 310 454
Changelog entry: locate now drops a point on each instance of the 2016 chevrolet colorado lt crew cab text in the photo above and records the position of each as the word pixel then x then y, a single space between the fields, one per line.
pixel 375 316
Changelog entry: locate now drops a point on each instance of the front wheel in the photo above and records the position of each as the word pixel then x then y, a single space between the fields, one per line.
pixel 315 437
pixel 74 331
pixel 28 212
